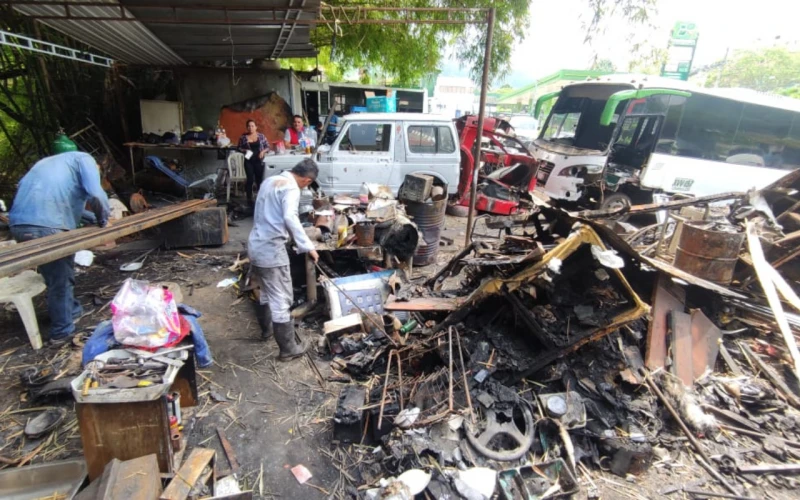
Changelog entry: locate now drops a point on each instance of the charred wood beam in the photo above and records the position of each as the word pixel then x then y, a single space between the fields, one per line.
pixel 530 321
pixel 655 207
pixel 447 269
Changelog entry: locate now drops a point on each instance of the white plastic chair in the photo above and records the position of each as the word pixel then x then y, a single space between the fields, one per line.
pixel 20 290
pixel 236 171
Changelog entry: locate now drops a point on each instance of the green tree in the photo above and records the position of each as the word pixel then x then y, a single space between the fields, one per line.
pixel 793 92
pixel 767 70
pixel 407 52
pixel 603 65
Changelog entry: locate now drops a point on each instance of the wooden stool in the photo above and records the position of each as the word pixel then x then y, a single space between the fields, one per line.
pixel 20 291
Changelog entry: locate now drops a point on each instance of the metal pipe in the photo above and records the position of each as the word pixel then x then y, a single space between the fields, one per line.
pixel 251 22
pixel 487 57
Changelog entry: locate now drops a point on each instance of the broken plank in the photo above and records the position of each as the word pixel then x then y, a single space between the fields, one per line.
pixel 733 366
pixel 345 324
pixel 425 304
pixel 733 417
pixel 655 207
pixel 186 477
pixel 765 274
pixel 680 329
pixel 667 296
pixel 231 456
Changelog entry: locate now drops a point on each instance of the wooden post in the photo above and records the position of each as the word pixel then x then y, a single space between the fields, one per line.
pixel 311 280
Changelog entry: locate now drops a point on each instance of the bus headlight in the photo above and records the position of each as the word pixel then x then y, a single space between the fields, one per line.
pixel 594 169
pixel 578 170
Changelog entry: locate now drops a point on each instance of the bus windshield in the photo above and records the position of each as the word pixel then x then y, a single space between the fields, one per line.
pixel 574 120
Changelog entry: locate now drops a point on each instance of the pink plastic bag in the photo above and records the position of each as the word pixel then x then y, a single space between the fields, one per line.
pixel 144 315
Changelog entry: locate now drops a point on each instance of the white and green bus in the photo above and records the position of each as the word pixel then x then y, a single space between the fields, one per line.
pixel 619 139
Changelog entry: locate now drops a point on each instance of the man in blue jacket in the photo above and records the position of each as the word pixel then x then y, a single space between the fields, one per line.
pixel 50 199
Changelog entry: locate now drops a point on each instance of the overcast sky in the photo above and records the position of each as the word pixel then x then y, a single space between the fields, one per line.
pixel 555 35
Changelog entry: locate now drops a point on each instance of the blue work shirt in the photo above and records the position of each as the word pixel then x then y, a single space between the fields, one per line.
pixel 54 192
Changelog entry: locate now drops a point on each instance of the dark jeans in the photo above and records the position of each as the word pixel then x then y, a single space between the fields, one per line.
pixel 59 276
pixel 254 170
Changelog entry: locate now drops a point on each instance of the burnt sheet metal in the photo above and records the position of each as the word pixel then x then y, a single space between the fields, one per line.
pixel 705 343
pixel 681 346
pixel 584 235
pixel 667 296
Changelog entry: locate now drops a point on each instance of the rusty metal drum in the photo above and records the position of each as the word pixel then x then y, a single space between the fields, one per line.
pixel 709 252
pixel 429 218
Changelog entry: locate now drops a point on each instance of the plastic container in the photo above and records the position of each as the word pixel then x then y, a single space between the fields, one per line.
pixel 369 291
pixel 381 104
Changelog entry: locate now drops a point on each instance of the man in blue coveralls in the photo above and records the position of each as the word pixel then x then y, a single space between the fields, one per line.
pixel 50 199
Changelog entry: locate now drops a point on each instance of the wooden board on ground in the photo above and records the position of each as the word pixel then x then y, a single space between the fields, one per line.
pixel 207 227
pixel 667 296
pixel 425 304
pixel 191 470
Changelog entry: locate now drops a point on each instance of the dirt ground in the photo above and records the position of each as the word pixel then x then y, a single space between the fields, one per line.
pixel 277 415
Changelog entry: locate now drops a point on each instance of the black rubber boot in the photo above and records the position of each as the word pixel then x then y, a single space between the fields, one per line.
pixel 287 342
pixel 264 315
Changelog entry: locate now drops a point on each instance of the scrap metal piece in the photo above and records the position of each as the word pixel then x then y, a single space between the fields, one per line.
pixel 566 407
pixel 499 286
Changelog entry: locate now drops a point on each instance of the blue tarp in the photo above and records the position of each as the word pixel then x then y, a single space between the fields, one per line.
pixel 102 339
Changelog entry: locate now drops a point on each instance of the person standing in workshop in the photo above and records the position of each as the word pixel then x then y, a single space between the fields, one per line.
pixel 275 220
pixel 298 132
pixel 255 147
pixel 50 200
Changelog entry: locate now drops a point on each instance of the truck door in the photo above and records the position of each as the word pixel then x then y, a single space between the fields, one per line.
pixel 363 152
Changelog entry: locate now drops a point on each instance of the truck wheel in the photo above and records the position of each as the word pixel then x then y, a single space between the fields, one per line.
pixel 457 210
pixel 617 201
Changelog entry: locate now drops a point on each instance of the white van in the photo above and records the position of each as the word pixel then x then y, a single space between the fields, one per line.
pixel 383 148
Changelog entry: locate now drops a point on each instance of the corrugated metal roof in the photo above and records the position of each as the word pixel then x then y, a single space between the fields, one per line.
pixel 174 32
pixel 128 41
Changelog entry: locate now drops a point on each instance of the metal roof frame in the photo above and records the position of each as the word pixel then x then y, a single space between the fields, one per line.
pixel 179 32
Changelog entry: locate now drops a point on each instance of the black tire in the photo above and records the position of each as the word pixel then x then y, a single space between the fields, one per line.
pixel 617 200
pixel 457 210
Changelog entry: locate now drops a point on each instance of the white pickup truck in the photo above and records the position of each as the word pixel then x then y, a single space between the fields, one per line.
pixel 382 148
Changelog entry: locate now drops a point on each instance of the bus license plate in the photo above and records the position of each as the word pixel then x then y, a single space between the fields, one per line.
pixel 682 184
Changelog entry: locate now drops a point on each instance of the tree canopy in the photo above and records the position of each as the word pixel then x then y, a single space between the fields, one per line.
pixel 772 69
pixel 405 53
